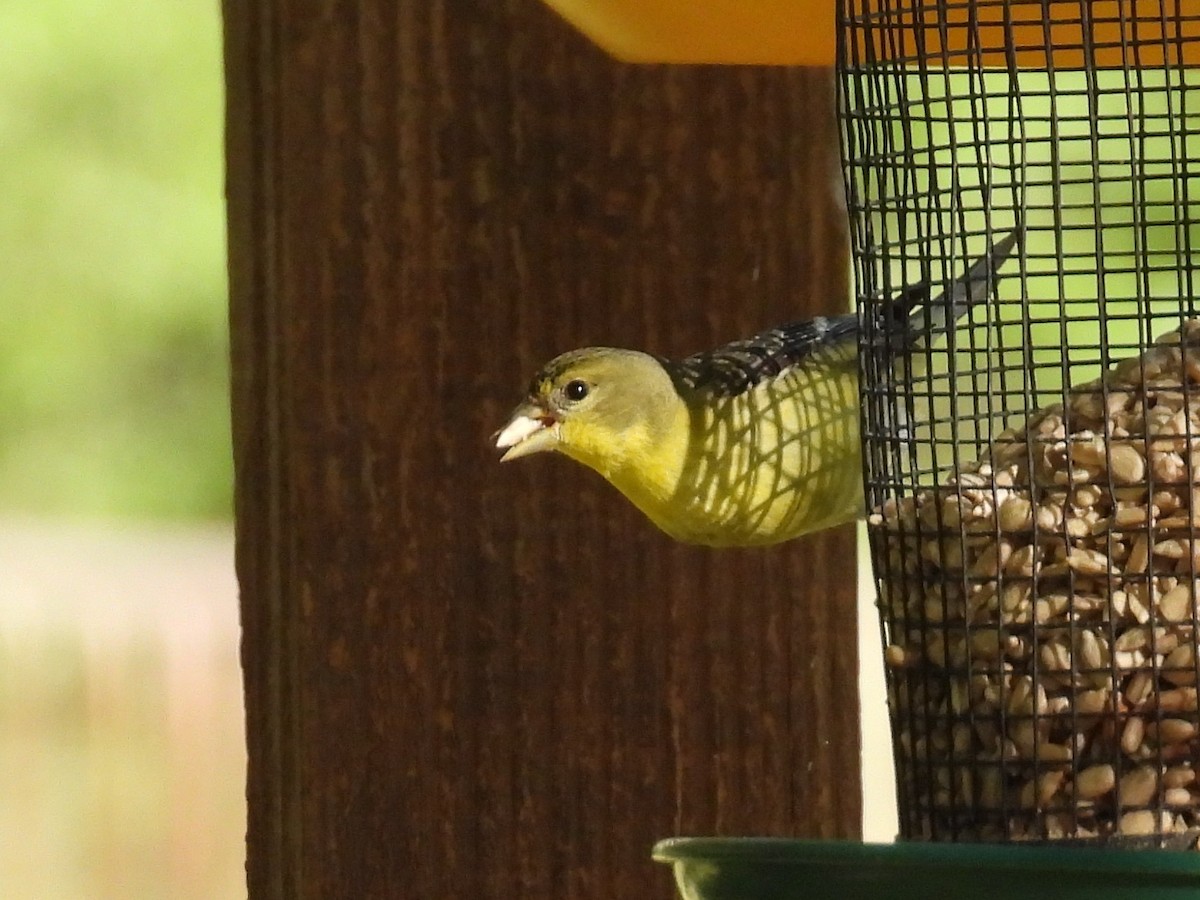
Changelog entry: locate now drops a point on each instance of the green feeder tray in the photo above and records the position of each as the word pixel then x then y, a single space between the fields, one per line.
pixel 778 869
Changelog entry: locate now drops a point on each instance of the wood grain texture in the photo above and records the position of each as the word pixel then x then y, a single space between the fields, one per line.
pixel 473 680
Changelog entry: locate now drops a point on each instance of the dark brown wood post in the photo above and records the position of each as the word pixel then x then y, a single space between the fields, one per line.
pixel 468 680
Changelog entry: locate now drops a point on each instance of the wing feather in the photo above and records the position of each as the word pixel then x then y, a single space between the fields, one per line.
pixel 909 318
pixel 737 367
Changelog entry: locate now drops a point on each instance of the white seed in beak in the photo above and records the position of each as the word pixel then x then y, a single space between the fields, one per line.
pixel 525 434
pixel 517 430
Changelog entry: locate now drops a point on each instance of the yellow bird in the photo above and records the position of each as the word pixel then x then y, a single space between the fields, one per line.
pixel 753 443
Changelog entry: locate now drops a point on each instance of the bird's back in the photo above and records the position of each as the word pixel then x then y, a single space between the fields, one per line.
pixel 773 446
pixel 737 367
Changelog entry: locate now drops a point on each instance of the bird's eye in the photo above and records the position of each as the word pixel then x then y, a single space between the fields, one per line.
pixel 576 390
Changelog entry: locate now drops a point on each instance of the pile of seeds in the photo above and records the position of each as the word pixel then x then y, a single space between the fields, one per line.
pixel 1042 618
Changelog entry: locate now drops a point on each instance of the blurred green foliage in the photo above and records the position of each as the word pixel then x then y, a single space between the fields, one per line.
pixel 113 354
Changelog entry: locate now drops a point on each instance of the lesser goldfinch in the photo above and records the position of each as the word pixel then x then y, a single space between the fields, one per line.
pixel 753 443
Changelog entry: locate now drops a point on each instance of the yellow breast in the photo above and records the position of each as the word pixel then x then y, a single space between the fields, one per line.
pixel 770 464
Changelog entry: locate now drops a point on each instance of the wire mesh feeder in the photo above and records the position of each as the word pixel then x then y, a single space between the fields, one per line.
pixel 1034 471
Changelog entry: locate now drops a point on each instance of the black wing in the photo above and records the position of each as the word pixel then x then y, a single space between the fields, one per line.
pixel 911 318
pixel 737 367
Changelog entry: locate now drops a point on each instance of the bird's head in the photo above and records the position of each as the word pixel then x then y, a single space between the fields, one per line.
pixel 592 405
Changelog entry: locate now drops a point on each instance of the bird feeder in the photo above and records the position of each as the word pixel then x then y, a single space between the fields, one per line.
pixel 765 32
pixel 1033 473
pixel 802 32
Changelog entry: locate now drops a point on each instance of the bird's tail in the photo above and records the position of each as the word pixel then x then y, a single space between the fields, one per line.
pixel 913 320
pixel 913 381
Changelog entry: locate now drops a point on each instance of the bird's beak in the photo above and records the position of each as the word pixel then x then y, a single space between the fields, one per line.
pixel 530 429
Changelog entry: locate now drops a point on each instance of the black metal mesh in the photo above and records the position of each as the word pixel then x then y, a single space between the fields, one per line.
pixel 1034 471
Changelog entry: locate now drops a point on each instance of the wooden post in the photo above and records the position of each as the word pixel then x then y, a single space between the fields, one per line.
pixel 473 680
